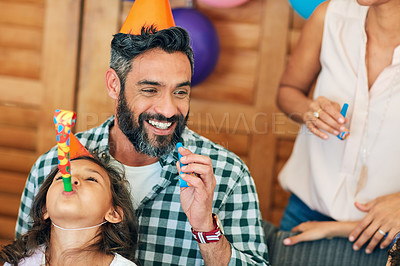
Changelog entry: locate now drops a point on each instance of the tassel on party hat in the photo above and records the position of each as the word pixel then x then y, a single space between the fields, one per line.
pixel 147 13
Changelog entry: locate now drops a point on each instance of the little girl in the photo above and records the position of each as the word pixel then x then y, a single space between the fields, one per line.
pixel 94 224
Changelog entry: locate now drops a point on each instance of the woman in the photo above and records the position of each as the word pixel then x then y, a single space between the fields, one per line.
pixel 352 50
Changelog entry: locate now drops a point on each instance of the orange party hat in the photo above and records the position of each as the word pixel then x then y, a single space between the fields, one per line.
pixel 76 148
pixel 147 13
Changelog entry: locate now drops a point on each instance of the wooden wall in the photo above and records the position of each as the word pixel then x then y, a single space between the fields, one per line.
pixel 38 62
pixel 54 53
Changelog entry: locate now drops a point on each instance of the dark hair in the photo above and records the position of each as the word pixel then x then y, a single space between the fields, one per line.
pixel 125 47
pixel 113 238
pixel 394 254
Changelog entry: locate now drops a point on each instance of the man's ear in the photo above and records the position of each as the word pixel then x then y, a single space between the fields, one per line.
pixel 114 215
pixel 113 83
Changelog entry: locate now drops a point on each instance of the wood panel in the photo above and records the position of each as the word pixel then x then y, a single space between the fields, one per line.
pixel 21 91
pixel 13 115
pixel 12 182
pixel 20 62
pixel 93 101
pixel 18 137
pixel 232 80
pixel 285 131
pixel 10 205
pixel 38 64
pixel 16 160
pixel 237 143
pixel 28 37
pixel 238 35
pixel 61 35
pixel 7 226
pixel 28 13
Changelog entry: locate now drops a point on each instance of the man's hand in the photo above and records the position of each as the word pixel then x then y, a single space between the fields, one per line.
pixel 383 218
pixel 197 199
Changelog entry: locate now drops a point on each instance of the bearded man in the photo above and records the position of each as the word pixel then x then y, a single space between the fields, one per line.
pixel 150 81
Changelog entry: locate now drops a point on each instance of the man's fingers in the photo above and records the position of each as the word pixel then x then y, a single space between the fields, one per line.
pixel 195 158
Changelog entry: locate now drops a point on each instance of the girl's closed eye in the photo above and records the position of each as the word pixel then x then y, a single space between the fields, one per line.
pixel 92 179
pixel 59 177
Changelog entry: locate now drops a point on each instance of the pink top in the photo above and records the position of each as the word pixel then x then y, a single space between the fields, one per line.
pixel 325 173
pixel 38 259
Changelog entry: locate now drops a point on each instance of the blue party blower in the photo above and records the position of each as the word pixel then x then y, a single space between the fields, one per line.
pixel 343 135
pixel 182 183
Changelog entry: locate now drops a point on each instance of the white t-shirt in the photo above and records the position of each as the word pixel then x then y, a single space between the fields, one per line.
pixel 325 173
pixel 141 179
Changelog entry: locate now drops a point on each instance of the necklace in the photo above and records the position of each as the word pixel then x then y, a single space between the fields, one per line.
pixel 365 151
pixel 78 229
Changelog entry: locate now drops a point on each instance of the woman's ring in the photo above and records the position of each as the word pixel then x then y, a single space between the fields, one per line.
pixel 316 114
pixel 382 232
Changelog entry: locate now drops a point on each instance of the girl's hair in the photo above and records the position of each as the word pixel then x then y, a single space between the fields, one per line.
pixel 112 238
pixel 394 254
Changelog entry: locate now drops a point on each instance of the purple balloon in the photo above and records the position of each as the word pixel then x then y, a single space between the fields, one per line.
pixel 204 41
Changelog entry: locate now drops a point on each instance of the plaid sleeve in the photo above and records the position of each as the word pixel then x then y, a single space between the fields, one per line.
pixel 23 225
pixel 39 171
pixel 242 222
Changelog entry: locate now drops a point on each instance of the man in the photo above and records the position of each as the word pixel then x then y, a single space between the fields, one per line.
pixel 149 79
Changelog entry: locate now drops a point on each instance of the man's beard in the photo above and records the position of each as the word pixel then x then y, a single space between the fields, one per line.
pixel 137 134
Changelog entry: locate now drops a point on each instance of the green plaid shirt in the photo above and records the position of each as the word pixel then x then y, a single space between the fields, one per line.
pixel 164 230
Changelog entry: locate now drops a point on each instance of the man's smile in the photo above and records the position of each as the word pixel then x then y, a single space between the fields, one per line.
pixel 159 124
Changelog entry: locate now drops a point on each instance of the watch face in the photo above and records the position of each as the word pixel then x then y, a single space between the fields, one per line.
pixel 219 224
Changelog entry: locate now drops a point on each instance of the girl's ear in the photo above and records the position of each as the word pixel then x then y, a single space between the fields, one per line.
pixel 45 213
pixel 114 215
pixel 112 83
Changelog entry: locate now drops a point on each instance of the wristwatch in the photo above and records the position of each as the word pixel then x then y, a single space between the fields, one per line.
pixel 212 236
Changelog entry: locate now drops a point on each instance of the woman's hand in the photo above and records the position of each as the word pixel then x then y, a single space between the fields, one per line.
pixel 324 116
pixel 380 225
pixel 318 230
pixel 309 231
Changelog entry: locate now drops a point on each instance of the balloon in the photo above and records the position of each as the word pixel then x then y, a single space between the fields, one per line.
pixel 224 3
pixel 204 41
pixel 305 7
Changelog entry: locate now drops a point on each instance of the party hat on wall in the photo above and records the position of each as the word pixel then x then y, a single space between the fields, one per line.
pixel 147 13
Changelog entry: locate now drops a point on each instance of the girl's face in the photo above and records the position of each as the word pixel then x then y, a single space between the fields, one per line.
pixel 90 201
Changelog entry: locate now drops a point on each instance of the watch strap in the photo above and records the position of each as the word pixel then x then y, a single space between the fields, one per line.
pixel 208 237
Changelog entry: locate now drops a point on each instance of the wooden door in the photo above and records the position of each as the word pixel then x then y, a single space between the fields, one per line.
pixel 38 67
